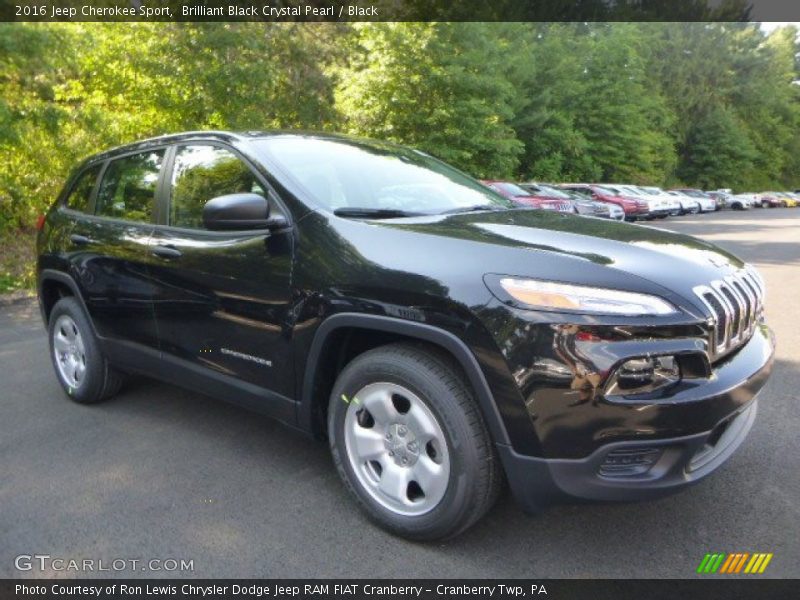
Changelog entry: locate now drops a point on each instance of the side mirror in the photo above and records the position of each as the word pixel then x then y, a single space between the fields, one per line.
pixel 239 212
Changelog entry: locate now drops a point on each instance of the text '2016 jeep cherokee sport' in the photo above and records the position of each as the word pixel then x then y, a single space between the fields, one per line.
pixel 440 337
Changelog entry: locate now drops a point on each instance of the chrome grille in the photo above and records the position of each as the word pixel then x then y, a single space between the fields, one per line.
pixel 735 303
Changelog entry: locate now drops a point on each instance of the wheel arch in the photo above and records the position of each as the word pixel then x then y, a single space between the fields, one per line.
pixel 54 285
pixel 329 334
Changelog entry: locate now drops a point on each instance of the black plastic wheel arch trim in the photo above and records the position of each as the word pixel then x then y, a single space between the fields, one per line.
pixel 420 331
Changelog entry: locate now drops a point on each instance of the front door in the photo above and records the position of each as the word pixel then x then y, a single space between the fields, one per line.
pixel 222 297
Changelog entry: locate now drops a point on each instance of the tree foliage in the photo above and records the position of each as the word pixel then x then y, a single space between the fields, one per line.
pixel 699 103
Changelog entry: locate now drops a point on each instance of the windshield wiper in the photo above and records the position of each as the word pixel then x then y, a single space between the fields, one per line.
pixel 475 208
pixel 353 212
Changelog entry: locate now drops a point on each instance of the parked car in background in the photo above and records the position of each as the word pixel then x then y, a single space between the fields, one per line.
pixel 658 208
pixel 706 202
pixel 633 208
pixel 523 197
pixel 615 212
pixel 689 205
pixel 541 190
pixel 592 208
pixel 674 205
pixel 771 200
pixel 741 201
pixel 788 198
pixel 723 199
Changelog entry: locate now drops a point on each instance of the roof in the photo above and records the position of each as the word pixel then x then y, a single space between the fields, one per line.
pixel 224 136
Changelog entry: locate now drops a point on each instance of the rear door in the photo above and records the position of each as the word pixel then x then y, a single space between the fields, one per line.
pixel 223 297
pixel 108 244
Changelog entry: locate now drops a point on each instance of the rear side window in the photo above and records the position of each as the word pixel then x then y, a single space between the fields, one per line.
pixel 81 193
pixel 128 188
pixel 203 172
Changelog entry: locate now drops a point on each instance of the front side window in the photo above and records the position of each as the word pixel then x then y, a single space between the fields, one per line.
pixel 201 173
pixel 128 188
pixel 82 190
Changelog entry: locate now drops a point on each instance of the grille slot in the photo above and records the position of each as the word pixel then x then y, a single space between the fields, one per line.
pixel 720 315
pixel 736 308
pixel 735 304
pixel 748 302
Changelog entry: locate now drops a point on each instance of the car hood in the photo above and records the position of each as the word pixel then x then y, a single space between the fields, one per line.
pixel 563 247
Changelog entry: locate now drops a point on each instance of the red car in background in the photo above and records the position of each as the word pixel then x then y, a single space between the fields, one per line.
pixel 633 207
pixel 524 198
pixel 770 200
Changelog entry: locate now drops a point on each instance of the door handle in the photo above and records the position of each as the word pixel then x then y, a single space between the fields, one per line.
pixel 80 240
pixel 166 252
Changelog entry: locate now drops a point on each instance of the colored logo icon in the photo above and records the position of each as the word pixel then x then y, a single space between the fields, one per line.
pixel 735 563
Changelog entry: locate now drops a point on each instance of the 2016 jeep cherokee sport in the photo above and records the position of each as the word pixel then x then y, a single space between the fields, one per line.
pixel 438 336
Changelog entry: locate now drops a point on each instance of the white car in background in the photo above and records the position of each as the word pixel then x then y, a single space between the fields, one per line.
pixel 742 201
pixel 706 202
pixel 675 206
pixel 725 200
pixel 658 207
pixel 615 212
pixel 689 205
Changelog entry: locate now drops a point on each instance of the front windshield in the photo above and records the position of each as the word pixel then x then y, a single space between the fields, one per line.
pixel 627 191
pixel 510 188
pixel 341 174
pixel 553 192
pixel 609 191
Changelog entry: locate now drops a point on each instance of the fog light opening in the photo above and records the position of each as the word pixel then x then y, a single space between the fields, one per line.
pixel 629 462
pixel 645 375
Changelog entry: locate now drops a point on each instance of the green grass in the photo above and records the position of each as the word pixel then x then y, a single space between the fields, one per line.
pixel 9 283
pixel 17 260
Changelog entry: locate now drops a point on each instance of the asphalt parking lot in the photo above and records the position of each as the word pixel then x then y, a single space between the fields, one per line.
pixel 162 473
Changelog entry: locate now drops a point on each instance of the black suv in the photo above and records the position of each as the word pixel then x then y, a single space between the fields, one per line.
pixel 439 337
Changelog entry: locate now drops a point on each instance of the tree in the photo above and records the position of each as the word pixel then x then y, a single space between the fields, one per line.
pixel 434 86
pixel 719 152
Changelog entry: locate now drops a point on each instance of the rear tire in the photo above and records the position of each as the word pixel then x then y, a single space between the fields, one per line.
pixel 410 444
pixel 80 366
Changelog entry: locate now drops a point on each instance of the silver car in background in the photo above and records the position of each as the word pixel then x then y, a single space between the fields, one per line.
pixel 674 205
pixel 689 205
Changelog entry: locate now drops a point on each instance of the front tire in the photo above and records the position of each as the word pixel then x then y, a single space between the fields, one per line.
pixel 80 366
pixel 410 444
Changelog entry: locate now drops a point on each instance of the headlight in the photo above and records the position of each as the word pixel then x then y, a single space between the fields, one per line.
pixel 547 295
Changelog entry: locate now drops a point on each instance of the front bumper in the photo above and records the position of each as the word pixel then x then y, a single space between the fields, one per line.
pixel 636 213
pixel 660 462
pixel 676 463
